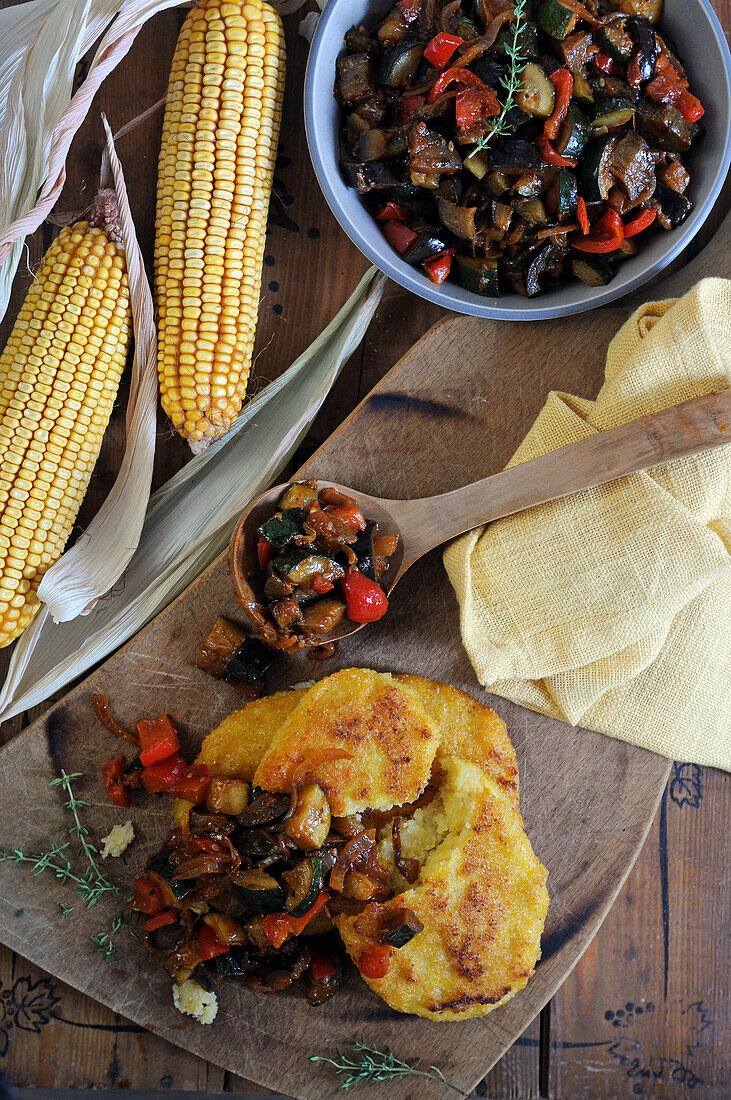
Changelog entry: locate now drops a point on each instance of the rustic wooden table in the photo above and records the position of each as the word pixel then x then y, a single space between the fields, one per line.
pixel 643 1013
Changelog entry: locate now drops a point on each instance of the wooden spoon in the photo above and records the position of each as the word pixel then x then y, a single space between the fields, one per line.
pixel 677 432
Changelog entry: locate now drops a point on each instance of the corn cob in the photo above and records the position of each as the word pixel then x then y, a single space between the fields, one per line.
pixel 59 375
pixel 215 174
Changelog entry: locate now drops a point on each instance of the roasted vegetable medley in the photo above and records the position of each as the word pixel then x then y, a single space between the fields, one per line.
pixel 246 883
pixel 513 145
pixel 322 562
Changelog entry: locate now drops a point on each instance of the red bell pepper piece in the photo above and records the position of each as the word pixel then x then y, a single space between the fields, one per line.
pixel 410 103
pixel 321 967
pixel 665 89
pixel 321 584
pixel 606 244
pixel 606 236
pixel 634 73
pixel 365 601
pixel 170 916
pixel 550 155
pixel 164 776
pixel 473 105
pixel 441 48
pixel 193 785
pixel 582 215
pixel 112 773
pixel 280 926
pixel 563 82
pixel 348 514
pixel 641 222
pixel 409 9
pixel 604 62
pixel 158 739
pixel 392 212
pixel 399 235
pixel 148 897
pixel 374 964
pixel 450 76
pixel 439 267
pixel 208 945
pixel 264 552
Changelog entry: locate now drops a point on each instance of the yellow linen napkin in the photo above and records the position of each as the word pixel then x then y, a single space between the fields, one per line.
pixel 611 609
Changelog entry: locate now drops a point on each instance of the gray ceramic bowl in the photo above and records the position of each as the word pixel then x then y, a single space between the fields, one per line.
pixel 693 26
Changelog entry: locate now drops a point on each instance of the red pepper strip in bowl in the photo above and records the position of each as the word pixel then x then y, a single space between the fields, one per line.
pixel 164 776
pixel 441 48
pixel 411 102
pixel 112 773
pixel 641 222
pixel 410 9
pixel 606 236
pixel 464 76
pixel 170 916
pixel 582 215
pixel 365 601
pixel 392 212
pixel 550 155
pixel 563 82
pixel 280 926
pixel 148 898
pixel 634 73
pixel 193 785
pixel 473 105
pixel 158 739
pixel 603 62
pixel 208 945
pixel 439 267
pixel 665 90
pixel 399 235
pixel 374 964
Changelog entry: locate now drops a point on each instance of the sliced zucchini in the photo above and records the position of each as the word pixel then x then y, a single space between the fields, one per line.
pixel 282 527
pixel 615 41
pixel 556 18
pixel 532 210
pixel 480 276
pixel 304 883
pixel 227 930
pixel 160 870
pixel 595 177
pixel 529 40
pixel 227 796
pixel 583 91
pixel 573 134
pixel 592 270
pixel 309 824
pixel 536 93
pixel 564 195
pixel 612 112
pixel 298 495
pixel 233 964
pixel 323 616
pixel 298 566
pixel 257 891
pixel 400 63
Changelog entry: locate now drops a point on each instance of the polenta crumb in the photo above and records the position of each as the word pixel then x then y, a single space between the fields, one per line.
pixel 118 840
pixel 194 1000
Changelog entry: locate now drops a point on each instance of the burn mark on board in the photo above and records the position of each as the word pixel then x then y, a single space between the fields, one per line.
pixel 57 736
pixel 396 402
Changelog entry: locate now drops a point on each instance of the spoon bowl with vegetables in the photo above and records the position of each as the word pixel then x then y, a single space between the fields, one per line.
pixel 313 562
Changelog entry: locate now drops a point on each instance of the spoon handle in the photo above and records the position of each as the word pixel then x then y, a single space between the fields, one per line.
pixel 682 430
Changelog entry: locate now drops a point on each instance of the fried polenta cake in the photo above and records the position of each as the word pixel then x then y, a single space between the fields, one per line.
pixel 440 884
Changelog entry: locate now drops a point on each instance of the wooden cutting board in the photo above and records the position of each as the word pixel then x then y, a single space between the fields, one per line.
pixel 452 410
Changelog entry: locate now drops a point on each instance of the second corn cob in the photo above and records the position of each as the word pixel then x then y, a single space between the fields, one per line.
pixel 216 167
pixel 59 375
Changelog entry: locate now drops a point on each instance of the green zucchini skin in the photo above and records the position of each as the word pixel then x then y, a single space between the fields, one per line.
pixel 400 63
pixel 161 870
pixel 592 270
pixel 281 529
pixel 574 133
pixel 262 899
pixel 556 19
pixel 612 112
pixel 594 177
pixel 305 883
pixel 479 276
pixel 566 195
pixel 615 42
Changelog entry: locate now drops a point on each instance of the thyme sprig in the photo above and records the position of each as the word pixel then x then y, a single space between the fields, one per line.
pixel 103 940
pixel 511 81
pixel 366 1064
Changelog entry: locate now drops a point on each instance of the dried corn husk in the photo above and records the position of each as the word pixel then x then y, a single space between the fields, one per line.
pixel 205 497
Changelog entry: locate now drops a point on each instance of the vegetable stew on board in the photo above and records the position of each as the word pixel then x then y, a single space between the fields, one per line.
pixel 511 146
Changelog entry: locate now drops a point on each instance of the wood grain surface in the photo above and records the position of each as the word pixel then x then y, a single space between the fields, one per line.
pixel 642 1013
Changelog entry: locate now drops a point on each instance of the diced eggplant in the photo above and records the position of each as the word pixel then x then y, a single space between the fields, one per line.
pixel 363 549
pixel 459 220
pixel 373 145
pixel 533 270
pixel 675 175
pixel 508 152
pixel 394 27
pixel 646 40
pixel 286 613
pixel 309 823
pixel 557 19
pixel 283 526
pixel 583 91
pixel 227 796
pixel 219 646
pixel 479 275
pixel 400 63
pixel 276 587
pixel 430 153
pixel 664 126
pixel 403 930
pixel 489 68
pixel 228 931
pixel 577 50
pixel 360 887
pixel 476 163
pixel 431 241
pixel 536 93
pixel 249 663
pixel 595 176
pixel 611 113
pixel 233 964
pixel 257 891
pixel 613 87
pixel 160 870
pixel 322 616
pixel 532 210
pixel 573 133
pixel 372 175
pixel 675 207
pixel 358 40
pixel 264 808
pixel 304 883
pixel 592 270
pixel 354 78
pixel 633 167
